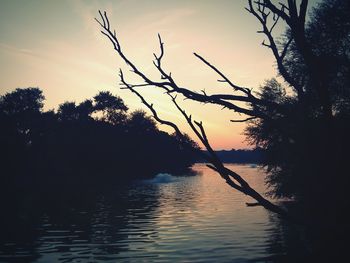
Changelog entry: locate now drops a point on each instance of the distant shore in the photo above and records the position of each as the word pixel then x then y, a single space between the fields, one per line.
pixel 243 156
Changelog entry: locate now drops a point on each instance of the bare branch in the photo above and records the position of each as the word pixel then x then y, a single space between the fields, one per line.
pixel 225 79
pixel 244 120
pixel 169 85
pixel 276 10
pixel 262 18
pixel 302 12
pixel 274 24
pixel 149 106
pixel 285 49
pixel 238 182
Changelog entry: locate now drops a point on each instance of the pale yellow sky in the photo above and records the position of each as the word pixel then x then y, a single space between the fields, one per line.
pixel 57 46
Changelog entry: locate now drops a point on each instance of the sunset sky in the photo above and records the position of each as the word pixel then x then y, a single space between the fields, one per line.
pixel 57 46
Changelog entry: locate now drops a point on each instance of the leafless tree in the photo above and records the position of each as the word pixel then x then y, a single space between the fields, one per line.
pixel 268 14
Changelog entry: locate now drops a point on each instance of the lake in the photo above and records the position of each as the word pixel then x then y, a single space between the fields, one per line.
pixel 169 219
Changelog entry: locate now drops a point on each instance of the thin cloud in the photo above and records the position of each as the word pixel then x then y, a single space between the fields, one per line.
pixel 16 50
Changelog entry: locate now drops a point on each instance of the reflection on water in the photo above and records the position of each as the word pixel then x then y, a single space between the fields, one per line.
pixel 191 219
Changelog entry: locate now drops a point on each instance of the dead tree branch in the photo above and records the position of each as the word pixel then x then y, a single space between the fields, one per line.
pixel 261 10
pixel 295 19
pixel 244 120
pixel 169 85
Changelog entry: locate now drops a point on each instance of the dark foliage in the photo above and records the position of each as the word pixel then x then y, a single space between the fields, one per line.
pixel 307 143
pixel 94 142
pixel 303 145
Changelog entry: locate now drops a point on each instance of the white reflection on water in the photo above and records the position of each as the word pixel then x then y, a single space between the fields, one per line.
pixel 162 178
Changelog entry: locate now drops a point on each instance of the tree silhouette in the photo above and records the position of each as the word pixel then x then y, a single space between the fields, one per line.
pixel 140 122
pixel 112 107
pixel 72 147
pixel 282 118
pixel 85 109
pixel 306 144
pixel 67 111
pixel 22 101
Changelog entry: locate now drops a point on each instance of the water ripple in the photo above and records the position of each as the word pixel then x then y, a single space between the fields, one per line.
pixel 191 219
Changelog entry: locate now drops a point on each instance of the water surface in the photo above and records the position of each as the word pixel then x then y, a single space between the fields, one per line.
pixel 187 219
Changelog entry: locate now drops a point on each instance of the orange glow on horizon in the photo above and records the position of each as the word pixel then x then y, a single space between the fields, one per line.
pixel 70 60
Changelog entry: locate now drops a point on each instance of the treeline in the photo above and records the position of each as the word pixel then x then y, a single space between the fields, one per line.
pixel 97 141
pixel 244 156
pixel 254 156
